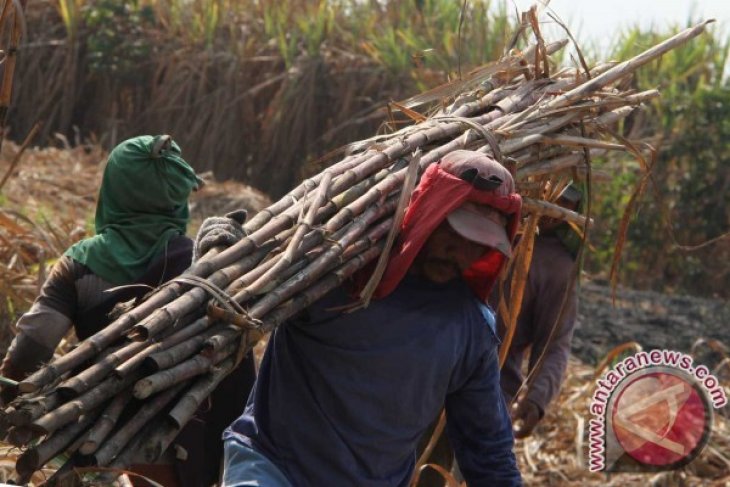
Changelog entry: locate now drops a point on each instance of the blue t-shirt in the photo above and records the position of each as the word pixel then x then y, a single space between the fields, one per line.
pixel 342 399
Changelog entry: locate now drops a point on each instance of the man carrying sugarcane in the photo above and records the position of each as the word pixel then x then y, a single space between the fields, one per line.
pixel 140 243
pixel 343 398
pixel 546 321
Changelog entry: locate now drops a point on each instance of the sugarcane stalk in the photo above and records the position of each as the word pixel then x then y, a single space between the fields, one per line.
pixel 21 436
pixel 88 401
pixel 378 193
pixel 190 302
pixel 105 424
pixel 310 241
pixel 292 249
pixel 576 141
pixel 264 216
pixel 313 271
pixel 505 111
pixel 309 250
pixel 167 378
pixel 535 111
pixel 194 397
pixel 34 458
pixel 167 358
pixel 551 166
pixel 374 234
pixel 612 101
pixel 198 326
pixel 302 263
pixel 91 376
pixel 535 135
pixel 96 343
pixel 326 284
pixel 531 155
pixel 545 208
pixel 220 340
pixel 111 448
pixel 381 159
pixel 25 411
pixel 522 267
pixel 195 298
pixel 409 184
pixel 629 66
pixel 498 80
pixel 612 117
pixel 349 195
pixel 132 452
pixel 148 448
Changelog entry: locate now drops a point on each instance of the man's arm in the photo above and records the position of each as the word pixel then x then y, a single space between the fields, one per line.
pixel 480 429
pixel 43 326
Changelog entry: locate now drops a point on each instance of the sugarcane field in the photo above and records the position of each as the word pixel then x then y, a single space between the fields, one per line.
pixel 422 243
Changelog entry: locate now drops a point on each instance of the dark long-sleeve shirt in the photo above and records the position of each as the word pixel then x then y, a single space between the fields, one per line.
pixel 550 273
pixel 73 295
pixel 342 399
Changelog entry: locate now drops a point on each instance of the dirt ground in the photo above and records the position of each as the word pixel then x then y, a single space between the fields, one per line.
pixel 652 319
pixel 555 455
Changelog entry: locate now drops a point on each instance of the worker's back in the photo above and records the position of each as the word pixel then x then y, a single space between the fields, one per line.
pixel 342 399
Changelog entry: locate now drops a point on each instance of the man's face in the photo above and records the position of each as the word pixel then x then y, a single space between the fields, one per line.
pixel 446 254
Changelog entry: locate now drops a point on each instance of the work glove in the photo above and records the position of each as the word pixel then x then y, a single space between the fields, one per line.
pixel 525 416
pixel 219 231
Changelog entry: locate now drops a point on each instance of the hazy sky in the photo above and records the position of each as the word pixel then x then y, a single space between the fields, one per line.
pixel 599 20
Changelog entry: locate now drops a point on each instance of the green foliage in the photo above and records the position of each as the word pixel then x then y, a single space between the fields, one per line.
pixel 425 34
pixel 298 27
pixel 116 43
pixel 686 203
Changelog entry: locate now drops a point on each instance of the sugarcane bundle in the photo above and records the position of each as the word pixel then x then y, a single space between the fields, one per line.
pixel 164 357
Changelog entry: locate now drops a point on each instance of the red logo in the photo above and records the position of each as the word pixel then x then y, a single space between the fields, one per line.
pixel 661 419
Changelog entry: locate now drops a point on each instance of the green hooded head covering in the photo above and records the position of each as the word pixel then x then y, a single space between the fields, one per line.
pixel 143 202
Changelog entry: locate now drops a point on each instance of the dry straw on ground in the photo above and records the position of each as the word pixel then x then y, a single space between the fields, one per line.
pixel 556 455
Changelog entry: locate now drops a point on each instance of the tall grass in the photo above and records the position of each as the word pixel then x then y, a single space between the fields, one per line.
pixel 249 86
pixel 261 89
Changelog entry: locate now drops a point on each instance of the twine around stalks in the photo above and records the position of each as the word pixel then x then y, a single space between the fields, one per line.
pixel 409 184
pixel 487 134
pixel 232 312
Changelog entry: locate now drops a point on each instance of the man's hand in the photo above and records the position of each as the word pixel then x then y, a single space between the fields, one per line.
pixel 219 231
pixel 7 394
pixel 9 382
pixel 525 416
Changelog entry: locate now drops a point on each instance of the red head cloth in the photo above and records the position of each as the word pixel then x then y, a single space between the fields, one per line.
pixel 443 188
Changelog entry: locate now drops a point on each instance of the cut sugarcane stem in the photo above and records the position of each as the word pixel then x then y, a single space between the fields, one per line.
pixel 34 458
pixel 105 424
pixel 111 448
pixel 198 326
